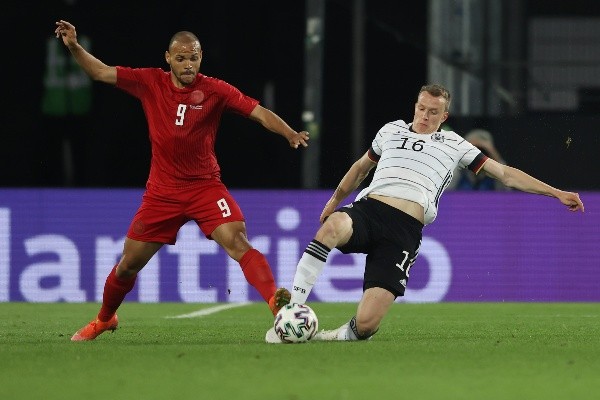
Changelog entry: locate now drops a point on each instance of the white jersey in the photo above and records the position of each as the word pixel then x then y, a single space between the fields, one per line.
pixel 418 167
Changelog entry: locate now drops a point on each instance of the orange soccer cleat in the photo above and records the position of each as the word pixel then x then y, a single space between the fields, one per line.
pixel 95 328
pixel 281 297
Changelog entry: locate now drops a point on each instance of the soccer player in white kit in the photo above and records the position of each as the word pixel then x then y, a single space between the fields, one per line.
pixel 415 163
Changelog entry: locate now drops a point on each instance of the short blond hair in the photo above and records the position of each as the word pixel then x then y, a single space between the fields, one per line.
pixel 436 91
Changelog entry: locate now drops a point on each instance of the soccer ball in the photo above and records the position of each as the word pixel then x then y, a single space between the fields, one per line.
pixel 296 323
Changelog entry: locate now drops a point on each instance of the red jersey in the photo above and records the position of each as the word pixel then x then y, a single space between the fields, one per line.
pixel 182 123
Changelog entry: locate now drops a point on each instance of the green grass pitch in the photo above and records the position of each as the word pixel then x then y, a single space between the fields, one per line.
pixel 423 351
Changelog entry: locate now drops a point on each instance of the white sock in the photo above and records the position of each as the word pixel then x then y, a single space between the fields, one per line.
pixel 308 270
pixel 345 332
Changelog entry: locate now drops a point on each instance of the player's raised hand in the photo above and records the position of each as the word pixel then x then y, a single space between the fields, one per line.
pixel 327 211
pixel 571 200
pixel 66 31
pixel 298 139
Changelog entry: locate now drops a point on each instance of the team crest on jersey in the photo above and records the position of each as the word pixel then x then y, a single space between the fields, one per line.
pixel 437 137
pixel 196 97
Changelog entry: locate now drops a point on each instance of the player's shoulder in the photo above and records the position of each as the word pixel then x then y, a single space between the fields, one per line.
pixel 394 127
pixel 143 70
pixel 216 85
pixel 210 79
pixel 450 134
pixel 450 138
pixel 397 124
pixel 147 74
pixel 213 81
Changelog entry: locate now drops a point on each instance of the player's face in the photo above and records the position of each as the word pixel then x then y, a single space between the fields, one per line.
pixel 429 113
pixel 184 59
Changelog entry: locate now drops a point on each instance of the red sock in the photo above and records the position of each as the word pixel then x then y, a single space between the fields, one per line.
pixel 115 290
pixel 258 273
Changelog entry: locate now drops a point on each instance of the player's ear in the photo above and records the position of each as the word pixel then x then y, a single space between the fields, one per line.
pixel 168 57
pixel 445 116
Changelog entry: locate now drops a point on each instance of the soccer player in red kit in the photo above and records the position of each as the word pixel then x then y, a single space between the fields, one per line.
pixel 183 109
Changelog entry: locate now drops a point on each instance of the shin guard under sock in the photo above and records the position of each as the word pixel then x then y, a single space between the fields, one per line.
pixel 308 270
pixel 115 290
pixel 258 273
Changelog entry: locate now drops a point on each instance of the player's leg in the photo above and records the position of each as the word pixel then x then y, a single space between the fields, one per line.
pixel 372 307
pixel 231 236
pixel 393 244
pixel 122 278
pixel 220 218
pixel 156 222
pixel 119 282
pixel 381 288
pixel 335 231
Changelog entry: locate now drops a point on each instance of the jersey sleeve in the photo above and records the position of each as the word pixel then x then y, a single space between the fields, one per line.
pixel 472 158
pixel 132 80
pixel 478 162
pixel 236 101
pixel 382 135
pixel 377 144
pixel 373 155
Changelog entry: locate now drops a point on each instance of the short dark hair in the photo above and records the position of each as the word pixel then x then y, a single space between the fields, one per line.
pixel 436 91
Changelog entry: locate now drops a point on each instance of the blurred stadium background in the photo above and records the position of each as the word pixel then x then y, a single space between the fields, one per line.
pixel 526 70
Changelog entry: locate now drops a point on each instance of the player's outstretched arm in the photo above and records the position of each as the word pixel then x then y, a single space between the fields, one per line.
pixel 95 68
pixel 517 179
pixel 274 123
pixel 350 182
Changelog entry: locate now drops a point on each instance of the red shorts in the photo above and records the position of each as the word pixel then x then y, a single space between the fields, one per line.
pixel 164 211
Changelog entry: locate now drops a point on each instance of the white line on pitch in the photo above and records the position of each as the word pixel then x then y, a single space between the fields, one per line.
pixel 210 310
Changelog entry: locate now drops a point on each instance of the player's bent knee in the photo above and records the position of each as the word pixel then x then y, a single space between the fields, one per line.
pixel 336 225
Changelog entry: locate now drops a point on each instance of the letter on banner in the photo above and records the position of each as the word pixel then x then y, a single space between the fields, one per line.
pixel 66 270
